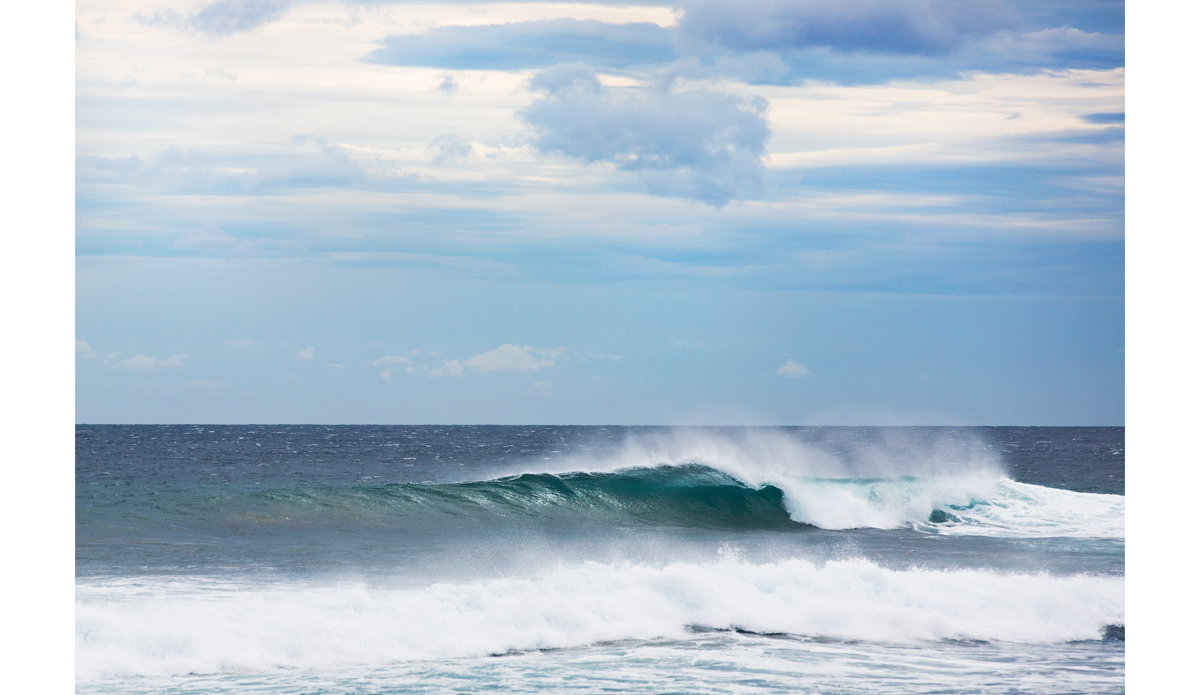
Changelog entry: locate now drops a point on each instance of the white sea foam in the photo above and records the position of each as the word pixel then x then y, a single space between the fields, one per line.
pixel 1021 510
pixel 158 628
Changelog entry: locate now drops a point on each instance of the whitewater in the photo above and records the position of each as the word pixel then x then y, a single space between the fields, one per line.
pixel 314 559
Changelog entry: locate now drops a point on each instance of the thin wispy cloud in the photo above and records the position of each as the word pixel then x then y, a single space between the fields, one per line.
pixel 904 27
pixel 220 18
pixel 145 363
pixel 531 44
pixel 511 358
pixel 391 364
pixel 448 368
pixel 506 358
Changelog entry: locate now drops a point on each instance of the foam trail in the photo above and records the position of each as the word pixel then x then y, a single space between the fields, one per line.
pixel 1022 510
pixel 955 506
pixel 140 628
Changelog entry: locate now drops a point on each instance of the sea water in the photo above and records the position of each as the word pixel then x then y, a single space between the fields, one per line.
pixel 313 559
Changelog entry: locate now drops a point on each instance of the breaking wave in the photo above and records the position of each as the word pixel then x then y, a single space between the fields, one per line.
pixel 698 496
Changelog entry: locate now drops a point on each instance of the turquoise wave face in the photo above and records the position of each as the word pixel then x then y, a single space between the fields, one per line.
pixel 685 496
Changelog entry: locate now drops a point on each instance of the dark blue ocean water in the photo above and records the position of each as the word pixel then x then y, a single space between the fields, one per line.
pixel 590 559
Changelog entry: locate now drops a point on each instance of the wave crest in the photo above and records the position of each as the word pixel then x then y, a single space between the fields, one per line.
pixel 697 496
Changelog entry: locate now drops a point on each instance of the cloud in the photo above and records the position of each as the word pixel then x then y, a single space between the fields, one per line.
pixel 904 27
pixel 222 18
pixel 542 388
pixel 193 386
pixel 534 44
pixel 149 364
pixel 82 349
pixel 450 146
pixel 858 40
pixel 305 354
pixel 308 162
pixel 1106 16
pixel 447 84
pixel 448 368
pixel 213 240
pixel 392 364
pixel 873 41
pixel 232 16
pixel 1055 47
pixel 771 41
pixel 790 368
pixel 510 358
pixel 392 359
pixel 694 143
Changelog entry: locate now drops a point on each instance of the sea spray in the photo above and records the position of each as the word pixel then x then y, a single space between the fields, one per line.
pixel 758 456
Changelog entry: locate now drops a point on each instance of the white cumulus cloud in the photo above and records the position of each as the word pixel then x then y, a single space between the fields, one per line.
pixel 82 349
pixel 511 358
pixel 542 388
pixel 790 368
pixel 694 143
pixel 305 354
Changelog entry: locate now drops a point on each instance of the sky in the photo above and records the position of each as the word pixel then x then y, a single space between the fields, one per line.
pixel 881 212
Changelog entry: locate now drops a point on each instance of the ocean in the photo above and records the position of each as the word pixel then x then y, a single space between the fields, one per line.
pixel 414 559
